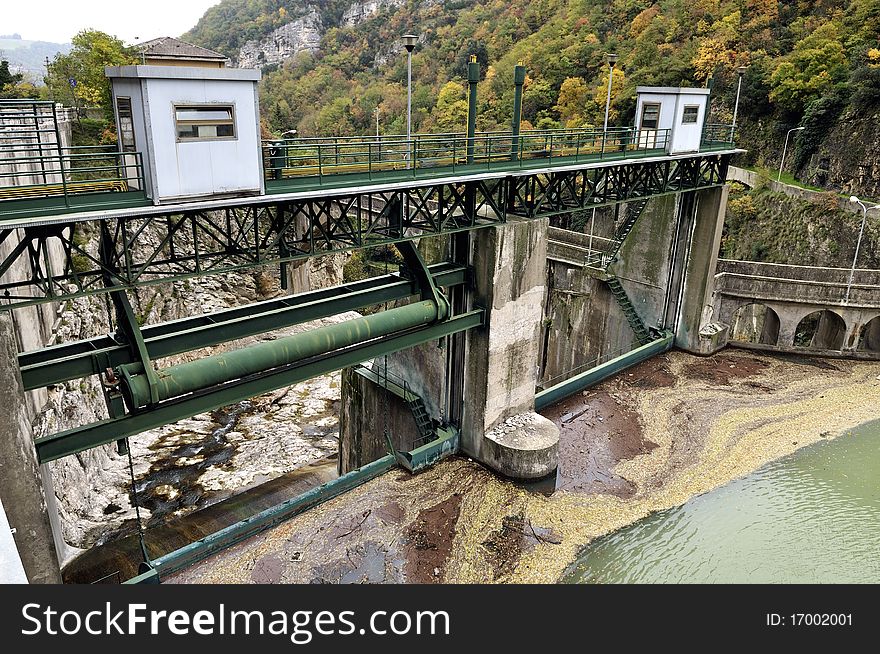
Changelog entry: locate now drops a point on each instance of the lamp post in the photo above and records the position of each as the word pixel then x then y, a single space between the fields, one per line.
pixel 784 150
pixel 611 59
pixel 741 71
pixel 409 42
pixel 852 270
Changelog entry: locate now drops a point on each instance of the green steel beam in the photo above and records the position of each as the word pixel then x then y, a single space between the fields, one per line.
pixel 60 363
pixel 59 445
pixel 140 390
pixel 602 372
pixel 473 80
pixel 446 444
pixel 235 533
pixel 519 79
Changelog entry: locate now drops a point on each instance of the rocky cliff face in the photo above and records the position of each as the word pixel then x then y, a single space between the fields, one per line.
pixel 361 11
pixel 848 158
pixel 300 35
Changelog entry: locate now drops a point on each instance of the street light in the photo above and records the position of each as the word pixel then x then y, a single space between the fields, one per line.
pixel 409 42
pixel 852 270
pixel 784 150
pixel 611 59
pixel 741 71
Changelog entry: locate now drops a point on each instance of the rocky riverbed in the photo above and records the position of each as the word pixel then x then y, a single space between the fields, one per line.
pixel 646 440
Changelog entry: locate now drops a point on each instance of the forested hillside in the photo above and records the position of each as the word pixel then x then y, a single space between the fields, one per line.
pixel 808 61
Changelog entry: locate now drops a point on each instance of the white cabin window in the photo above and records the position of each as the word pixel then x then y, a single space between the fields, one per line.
pixel 126 124
pixel 691 112
pixel 650 115
pixel 205 122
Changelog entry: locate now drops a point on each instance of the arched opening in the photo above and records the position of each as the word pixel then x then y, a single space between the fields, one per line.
pixel 869 336
pixel 755 323
pixel 823 330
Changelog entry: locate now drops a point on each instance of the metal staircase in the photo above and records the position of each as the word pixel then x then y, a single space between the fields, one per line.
pixel 643 334
pixel 424 423
pixel 603 258
pixel 426 426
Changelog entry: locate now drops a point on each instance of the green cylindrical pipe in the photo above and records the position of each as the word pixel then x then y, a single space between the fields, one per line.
pixel 473 80
pixel 519 79
pixel 220 368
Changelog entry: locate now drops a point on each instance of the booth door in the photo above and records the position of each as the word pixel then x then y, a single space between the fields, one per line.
pixel 648 124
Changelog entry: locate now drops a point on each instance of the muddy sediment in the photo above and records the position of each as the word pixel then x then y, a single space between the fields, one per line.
pixel 646 440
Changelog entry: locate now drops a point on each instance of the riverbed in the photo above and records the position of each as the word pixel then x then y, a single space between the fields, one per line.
pixel 645 441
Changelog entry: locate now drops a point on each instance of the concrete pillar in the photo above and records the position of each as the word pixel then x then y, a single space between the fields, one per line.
pixel 499 426
pixel 366 411
pixel 699 274
pixel 21 487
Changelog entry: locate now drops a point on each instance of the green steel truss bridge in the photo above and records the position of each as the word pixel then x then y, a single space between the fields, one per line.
pixel 322 196
pixel 74 222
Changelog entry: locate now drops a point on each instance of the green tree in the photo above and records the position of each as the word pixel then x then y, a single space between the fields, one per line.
pixel 450 113
pixel 816 65
pixel 8 80
pixel 78 79
pixel 574 94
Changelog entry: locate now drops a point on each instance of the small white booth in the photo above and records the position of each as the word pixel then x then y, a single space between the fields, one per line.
pixel 671 117
pixel 198 129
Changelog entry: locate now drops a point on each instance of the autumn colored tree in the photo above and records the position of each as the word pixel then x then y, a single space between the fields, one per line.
pixel 816 65
pixel 450 113
pixel 574 94
pixel 77 78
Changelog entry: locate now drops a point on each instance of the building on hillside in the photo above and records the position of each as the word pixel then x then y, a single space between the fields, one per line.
pixel 168 51
pixel 671 117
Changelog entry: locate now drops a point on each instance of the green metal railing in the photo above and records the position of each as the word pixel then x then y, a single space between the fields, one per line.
pixel 717 136
pixel 375 157
pixel 37 172
pixel 31 173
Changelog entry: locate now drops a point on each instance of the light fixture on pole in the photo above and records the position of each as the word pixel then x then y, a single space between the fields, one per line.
pixel 852 270
pixel 611 59
pixel 741 71
pixel 409 42
pixel 785 150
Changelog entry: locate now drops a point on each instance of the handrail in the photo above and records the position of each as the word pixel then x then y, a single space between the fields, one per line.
pixel 370 155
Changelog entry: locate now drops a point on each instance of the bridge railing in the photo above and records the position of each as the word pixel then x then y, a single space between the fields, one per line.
pixel 718 136
pixel 453 152
pixel 31 172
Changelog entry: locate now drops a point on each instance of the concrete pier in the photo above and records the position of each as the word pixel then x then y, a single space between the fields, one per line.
pixel 501 365
pixel 692 332
pixel 21 487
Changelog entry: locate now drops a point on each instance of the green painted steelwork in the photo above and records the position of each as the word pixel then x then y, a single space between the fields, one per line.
pixel 473 81
pixel 205 547
pixel 446 444
pixel 519 79
pixel 220 236
pixel 56 446
pixel 317 166
pixel 602 372
pixel 60 363
pixel 185 378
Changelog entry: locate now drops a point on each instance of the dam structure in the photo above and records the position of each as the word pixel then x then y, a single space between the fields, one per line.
pixel 532 264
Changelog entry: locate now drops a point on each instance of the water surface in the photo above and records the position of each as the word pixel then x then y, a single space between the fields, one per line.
pixel 812 517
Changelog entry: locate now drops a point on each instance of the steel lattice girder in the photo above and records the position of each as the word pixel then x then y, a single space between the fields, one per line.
pixel 76 440
pixel 60 363
pixel 156 248
pixel 562 192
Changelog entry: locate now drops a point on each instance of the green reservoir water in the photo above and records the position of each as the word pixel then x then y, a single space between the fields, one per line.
pixel 812 517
